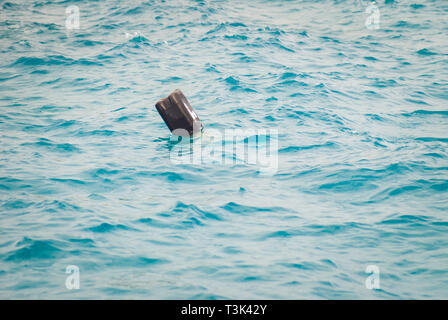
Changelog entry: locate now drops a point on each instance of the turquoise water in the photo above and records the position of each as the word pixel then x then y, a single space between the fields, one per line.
pixel 85 171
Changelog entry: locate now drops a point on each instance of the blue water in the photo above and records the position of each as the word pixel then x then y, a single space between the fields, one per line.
pixel 86 177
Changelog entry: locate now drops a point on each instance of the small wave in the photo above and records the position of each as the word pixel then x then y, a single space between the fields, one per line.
pixel 236 37
pixel 426 113
pixel 406 219
pixel 29 249
pixel 313 146
pixel 101 133
pixel 307 266
pixel 8 183
pixel 53 61
pixel 432 139
pixel 87 43
pixel 182 207
pixel 58 205
pixel 16 204
pixel 153 223
pixel 132 261
pixel 426 52
pixel 107 227
pixel 52 146
pixel 406 24
pixel 234 207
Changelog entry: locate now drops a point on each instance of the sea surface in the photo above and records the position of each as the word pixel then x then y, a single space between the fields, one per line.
pixel 357 91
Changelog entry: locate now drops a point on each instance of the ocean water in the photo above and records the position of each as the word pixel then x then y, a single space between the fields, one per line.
pixel 357 92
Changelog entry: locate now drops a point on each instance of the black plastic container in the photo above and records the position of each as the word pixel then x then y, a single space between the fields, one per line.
pixel 178 114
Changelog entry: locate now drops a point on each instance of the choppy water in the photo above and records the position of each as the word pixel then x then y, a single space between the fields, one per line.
pixel 85 175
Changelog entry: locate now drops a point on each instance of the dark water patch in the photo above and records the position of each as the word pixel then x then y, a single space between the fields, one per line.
pixel 329 39
pixel 16 204
pixel 239 111
pixel 58 205
pixel 231 250
pixel 292 82
pixel 237 24
pixel 231 80
pixel 10 5
pixel 119 292
pixel 63 124
pixel 328 263
pixel 85 242
pixel 9 77
pixel 417 6
pixel 7 183
pixel 182 216
pixel 243 89
pixel 251 278
pixel 34 61
pixel 288 75
pixel 432 139
pixel 208 296
pixel 99 132
pixel 353 185
pixel 375 117
pixel 300 148
pixel 50 82
pixel 132 261
pixel 53 108
pixel 69 181
pixel 426 52
pixel 443 224
pixel 440 187
pixel 98 197
pixel 236 37
pixel 279 234
pixel 29 284
pixel 335 228
pixel 404 189
pixel 139 40
pixel 385 83
pixel 52 146
pixel 55 60
pixel 107 227
pixel 423 113
pixel 202 214
pixel 414 225
pixel 416 101
pixel 87 43
pixel 101 172
pixel 172 176
pixel 234 207
pixel 211 68
pixel 435 155
pixel 109 58
pixel 154 223
pixel 406 24
pixel 29 249
pixel 278 45
pixel 170 80
pixel 306 266
pixel 325 290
